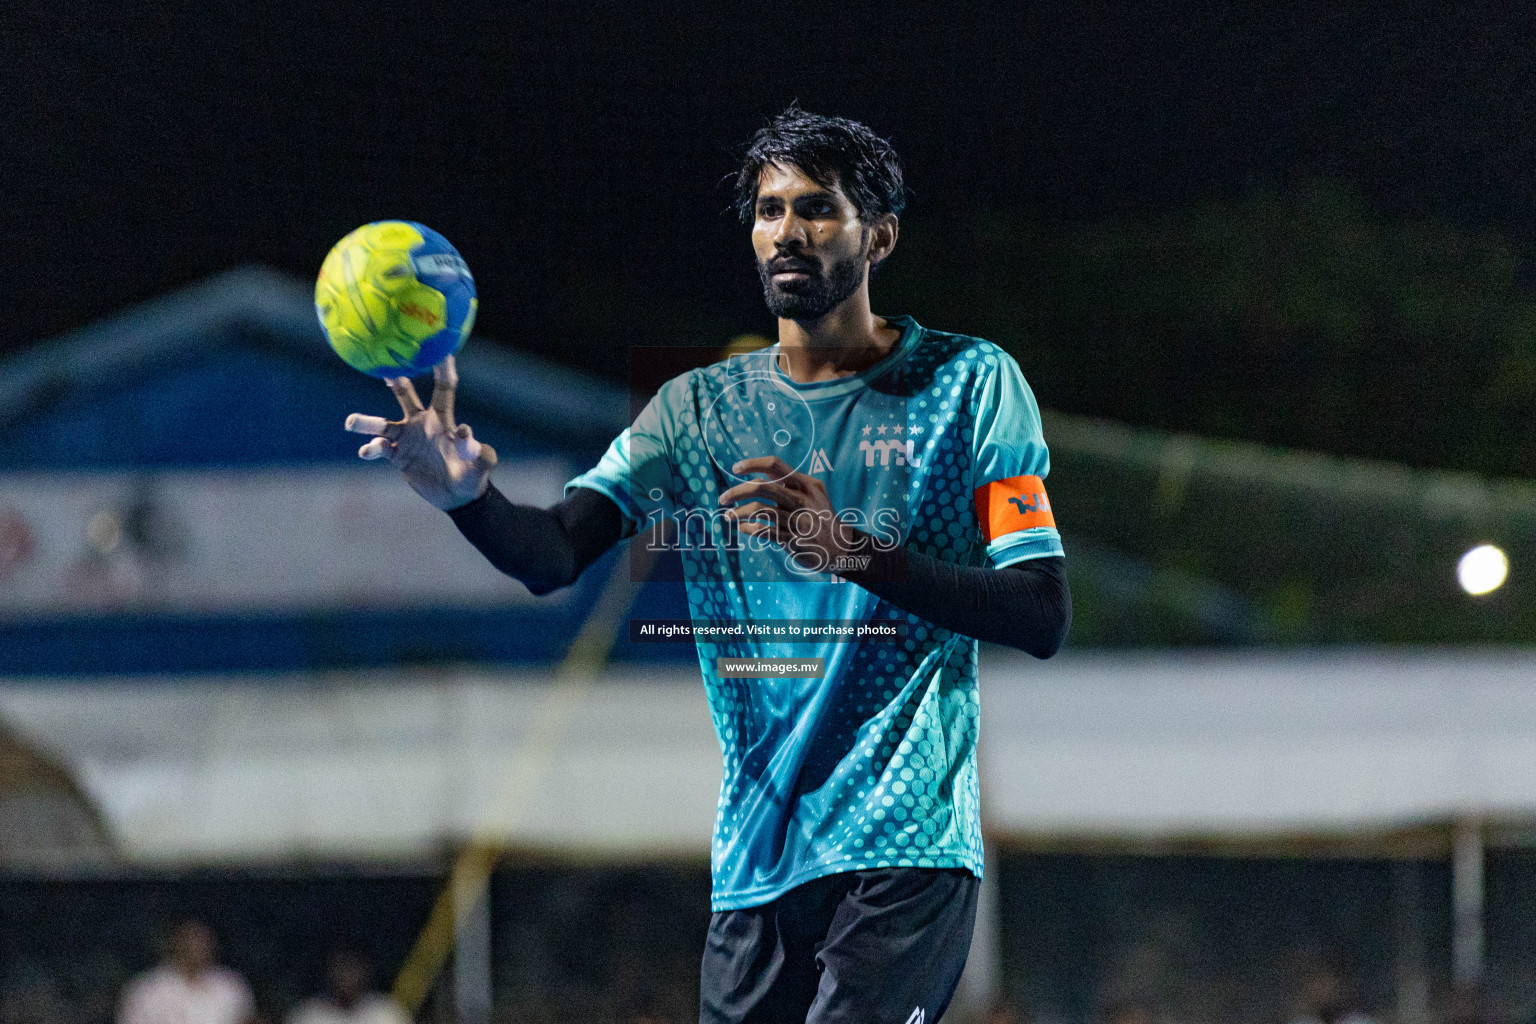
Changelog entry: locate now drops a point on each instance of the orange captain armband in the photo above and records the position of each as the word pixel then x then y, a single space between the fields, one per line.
pixel 1008 506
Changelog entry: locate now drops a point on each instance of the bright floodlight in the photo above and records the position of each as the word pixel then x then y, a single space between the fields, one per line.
pixel 1483 569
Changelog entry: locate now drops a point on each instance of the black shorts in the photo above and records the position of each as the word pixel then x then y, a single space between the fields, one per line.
pixel 865 947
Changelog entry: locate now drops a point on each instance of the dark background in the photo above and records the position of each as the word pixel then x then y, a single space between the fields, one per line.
pixel 1307 225
pixel 1193 937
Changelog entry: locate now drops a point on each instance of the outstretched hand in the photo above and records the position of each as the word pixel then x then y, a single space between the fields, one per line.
pixel 441 460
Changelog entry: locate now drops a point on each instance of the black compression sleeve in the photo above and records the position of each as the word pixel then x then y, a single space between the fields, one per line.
pixel 545 548
pixel 1026 605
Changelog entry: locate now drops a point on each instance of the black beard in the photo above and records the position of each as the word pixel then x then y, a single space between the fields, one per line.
pixel 816 296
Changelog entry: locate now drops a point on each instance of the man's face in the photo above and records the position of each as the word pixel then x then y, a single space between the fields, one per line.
pixel 349 977
pixel 812 250
pixel 193 947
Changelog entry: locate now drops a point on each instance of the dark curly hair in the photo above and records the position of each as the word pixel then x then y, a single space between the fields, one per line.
pixel 832 151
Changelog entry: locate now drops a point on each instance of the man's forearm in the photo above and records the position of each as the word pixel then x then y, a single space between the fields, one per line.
pixel 545 548
pixel 1026 605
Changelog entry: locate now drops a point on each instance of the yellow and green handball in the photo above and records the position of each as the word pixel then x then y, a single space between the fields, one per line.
pixel 395 298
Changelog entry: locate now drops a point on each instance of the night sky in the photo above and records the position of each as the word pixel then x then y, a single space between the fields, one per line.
pixel 575 153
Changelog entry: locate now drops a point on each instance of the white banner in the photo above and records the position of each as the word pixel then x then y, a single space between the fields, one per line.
pixel 244 541
pixel 1146 747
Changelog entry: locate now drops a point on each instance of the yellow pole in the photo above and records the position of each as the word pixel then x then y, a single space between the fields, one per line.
pixel 472 868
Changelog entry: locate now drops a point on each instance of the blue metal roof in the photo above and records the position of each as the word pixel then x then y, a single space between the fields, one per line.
pixel 235 372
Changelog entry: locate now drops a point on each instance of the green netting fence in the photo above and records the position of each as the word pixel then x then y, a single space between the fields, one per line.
pixel 1181 539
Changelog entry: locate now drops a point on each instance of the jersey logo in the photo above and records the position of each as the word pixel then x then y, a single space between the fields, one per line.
pixel 819 461
pixel 1008 506
pixel 918 1016
pixel 903 450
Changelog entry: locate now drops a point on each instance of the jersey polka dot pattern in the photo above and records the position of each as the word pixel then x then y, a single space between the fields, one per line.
pixel 873 765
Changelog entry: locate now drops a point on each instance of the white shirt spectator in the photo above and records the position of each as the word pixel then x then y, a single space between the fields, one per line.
pixel 372 1008
pixel 165 995
pixel 1349 1017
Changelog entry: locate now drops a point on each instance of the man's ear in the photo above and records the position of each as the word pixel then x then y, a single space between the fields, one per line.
pixel 882 238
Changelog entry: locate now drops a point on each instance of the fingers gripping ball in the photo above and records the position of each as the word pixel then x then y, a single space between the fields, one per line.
pixel 395 298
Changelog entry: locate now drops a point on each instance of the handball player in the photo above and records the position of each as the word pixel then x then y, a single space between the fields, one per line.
pixel 864 469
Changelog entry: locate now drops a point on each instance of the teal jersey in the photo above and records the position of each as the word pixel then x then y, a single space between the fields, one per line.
pixel 937 447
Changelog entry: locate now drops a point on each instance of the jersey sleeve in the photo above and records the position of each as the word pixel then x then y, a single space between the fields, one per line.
pixel 636 471
pixel 1009 465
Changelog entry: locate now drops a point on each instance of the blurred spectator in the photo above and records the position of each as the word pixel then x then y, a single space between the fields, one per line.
pixel 1126 1012
pixel 188 987
pixel 1003 1013
pixel 1475 1006
pixel 349 997
pixel 1326 1000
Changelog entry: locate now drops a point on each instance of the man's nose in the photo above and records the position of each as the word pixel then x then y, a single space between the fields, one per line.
pixel 791 232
